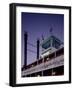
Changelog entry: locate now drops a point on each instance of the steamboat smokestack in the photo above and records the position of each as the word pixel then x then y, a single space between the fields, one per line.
pixel 25 49
pixel 38 44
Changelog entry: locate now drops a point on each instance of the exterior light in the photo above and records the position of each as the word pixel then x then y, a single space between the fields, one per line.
pixel 53 73
pixel 47 59
pixel 38 75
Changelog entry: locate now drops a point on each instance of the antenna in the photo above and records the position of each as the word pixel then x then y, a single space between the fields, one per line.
pixel 42 37
pixel 50 31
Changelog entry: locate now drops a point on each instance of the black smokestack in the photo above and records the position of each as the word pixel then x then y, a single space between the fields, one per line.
pixel 38 44
pixel 25 49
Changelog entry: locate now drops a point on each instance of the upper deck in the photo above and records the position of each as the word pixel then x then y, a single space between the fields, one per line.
pixel 54 59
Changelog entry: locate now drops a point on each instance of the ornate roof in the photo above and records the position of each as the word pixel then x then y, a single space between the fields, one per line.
pixel 50 41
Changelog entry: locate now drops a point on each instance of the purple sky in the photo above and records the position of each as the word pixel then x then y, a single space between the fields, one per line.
pixel 37 25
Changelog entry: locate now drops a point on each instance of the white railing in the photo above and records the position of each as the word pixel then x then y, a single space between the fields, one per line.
pixel 55 62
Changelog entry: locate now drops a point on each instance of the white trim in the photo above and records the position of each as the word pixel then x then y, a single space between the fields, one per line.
pixel 20 80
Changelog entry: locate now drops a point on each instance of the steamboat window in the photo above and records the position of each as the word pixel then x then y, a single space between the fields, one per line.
pixel 60 52
pixel 51 56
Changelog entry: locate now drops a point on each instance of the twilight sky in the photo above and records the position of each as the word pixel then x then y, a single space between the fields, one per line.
pixel 37 25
